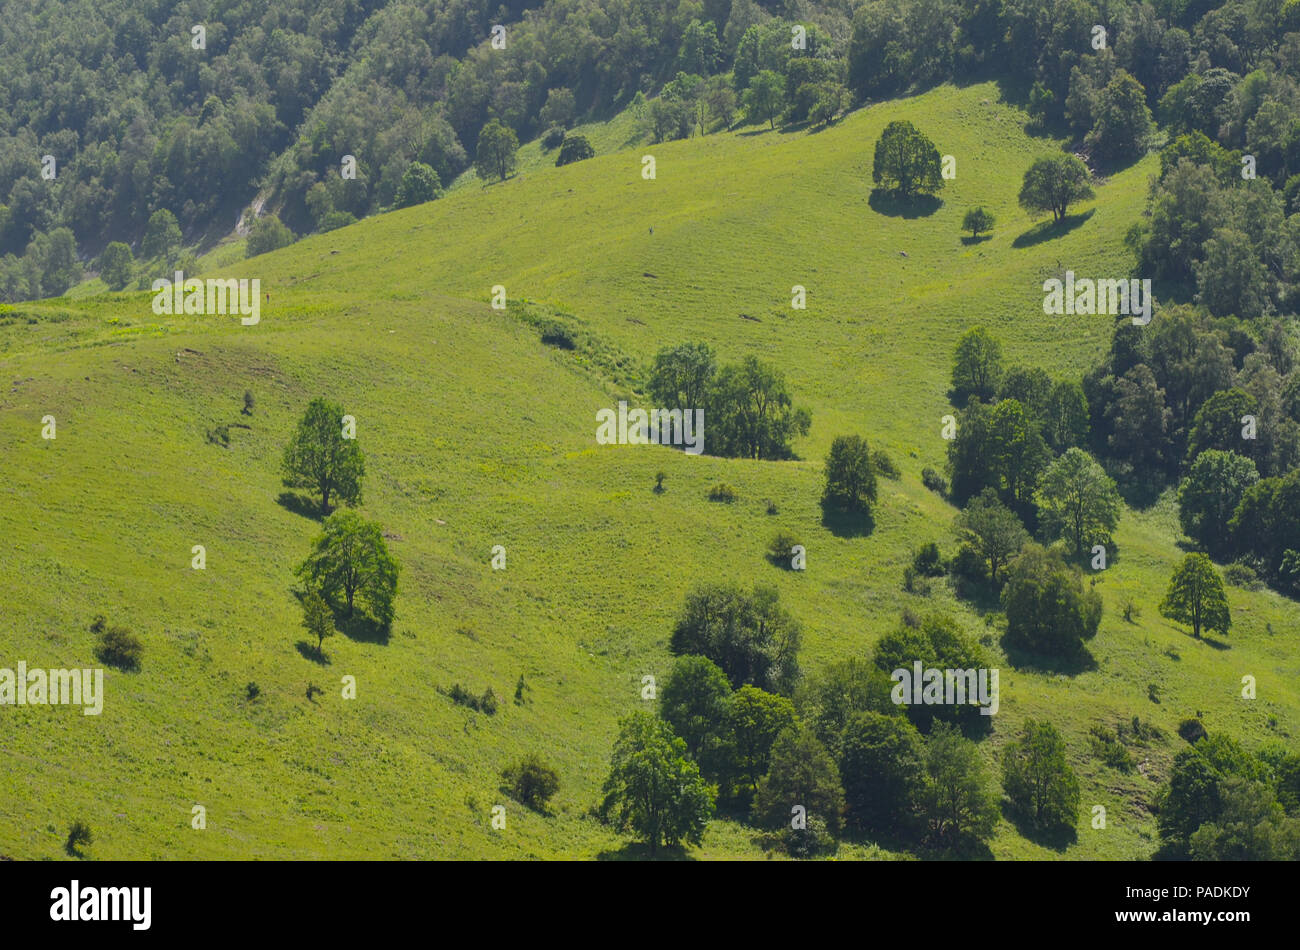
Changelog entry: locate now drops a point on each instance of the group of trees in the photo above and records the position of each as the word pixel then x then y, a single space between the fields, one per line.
pixel 1213 402
pixel 349 565
pixel 748 409
pixel 1223 803
pixel 830 756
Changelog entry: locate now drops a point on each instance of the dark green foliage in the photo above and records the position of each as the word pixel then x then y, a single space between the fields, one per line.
pixel 1038 779
pixel 116 265
pixel 531 782
pixel 754 719
pixel 801 774
pixel 120 648
pixel 882 765
pixel 850 476
pixel 1053 183
pixel 350 562
pixel 992 532
pixel 780 548
pixel 695 701
pixel 575 148
pixel 252 691
pixel 977 365
pixel 938 643
pixel 977 221
pixel 1196 596
pixel 747 634
pixel 654 790
pixel 933 480
pixel 495 155
pixel 487 703
pixel 419 184
pixel 927 561
pixel 906 163
pixel 320 458
pixel 749 409
pixel 268 234
pixel 1208 496
pixel 722 492
pixel 958 801
pixel 553 138
pixel 1047 608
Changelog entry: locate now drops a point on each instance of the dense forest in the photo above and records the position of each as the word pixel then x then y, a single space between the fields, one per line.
pixel 133 135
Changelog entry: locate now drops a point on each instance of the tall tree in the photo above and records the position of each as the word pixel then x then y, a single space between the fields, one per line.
pixel 1078 501
pixel 1053 183
pixel 958 800
pixel 906 162
pixel 350 560
pixel 320 458
pixel 850 479
pixel 653 788
pixel 1038 779
pixel 977 365
pixel 1196 596
pixel 992 530
pixel 495 156
pixel 1208 496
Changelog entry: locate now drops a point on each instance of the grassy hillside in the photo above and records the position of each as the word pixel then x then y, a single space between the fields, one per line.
pixel 476 434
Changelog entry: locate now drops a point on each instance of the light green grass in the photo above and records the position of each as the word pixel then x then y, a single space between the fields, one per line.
pixel 475 434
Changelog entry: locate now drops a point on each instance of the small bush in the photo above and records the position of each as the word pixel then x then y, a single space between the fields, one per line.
pixel 519 691
pixel 248 403
pixel 807 842
pixel 771 507
pixel 314 690
pixel 553 334
pixel 910 619
pixel 722 492
pixel 1153 692
pixel 120 648
pixel 531 782
pixel 1193 730
pixel 779 550
pixel 1107 746
pixel 933 480
pixel 883 465
pixel 252 690
pixel 1241 574
pixel 220 436
pixel 1131 611
pixel 98 624
pixel 927 561
pixel 659 482
pixel 553 138
pixel 487 703
pixel 915 582
pixel 79 836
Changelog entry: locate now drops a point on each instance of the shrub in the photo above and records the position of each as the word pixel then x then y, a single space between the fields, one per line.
pixel 722 492
pixel 1193 730
pixel 771 507
pixel 531 782
pixel 552 138
pixel 575 148
pixel 927 561
pixel 883 465
pixel 1241 574
pixel 79 836
pixel 553 334
pixel 779 551
pixel 98 624
pixel 488 702
pixel 914 582
pixel 252 690
pixel 519 690
pixel 933 480
pixel 1106 745
pixel 119 647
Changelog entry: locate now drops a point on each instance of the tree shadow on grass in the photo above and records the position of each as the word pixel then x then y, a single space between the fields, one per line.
pixel 1058 838
pixel 1072 664
pixel 361 628
pixel 1215 644
pixel 299 505
pixel 1050 230
pixel 846 522
pixel 968 240
pixel 640 851
pixel 893 206
pixel 309 652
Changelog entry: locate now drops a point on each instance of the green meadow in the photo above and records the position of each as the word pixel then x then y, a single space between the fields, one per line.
pixel 477 434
